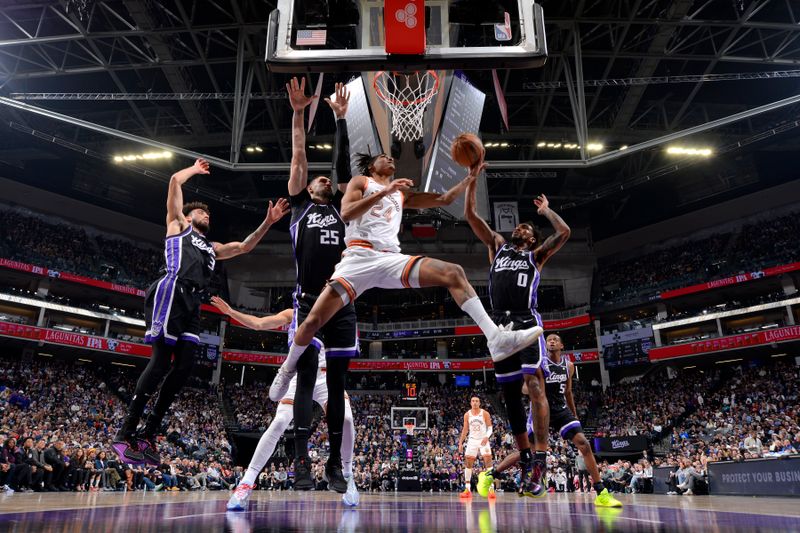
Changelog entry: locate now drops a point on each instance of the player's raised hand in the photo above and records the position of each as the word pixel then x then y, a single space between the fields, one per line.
pixel 297 94
pixel 201 166
pixel 541 203
pixel 476 169
pixel 341 100
pixel 221 304
pixel 277 211
pixel 399 184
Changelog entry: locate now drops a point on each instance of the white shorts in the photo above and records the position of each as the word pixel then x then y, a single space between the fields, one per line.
pixel 320 394
pixel 474 448
pixel 362 268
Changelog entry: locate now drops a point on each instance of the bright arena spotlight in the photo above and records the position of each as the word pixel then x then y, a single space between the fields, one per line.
pixel 402 265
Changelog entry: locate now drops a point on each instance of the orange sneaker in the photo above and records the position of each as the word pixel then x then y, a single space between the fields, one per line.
pixel 466 495
pixel 492 495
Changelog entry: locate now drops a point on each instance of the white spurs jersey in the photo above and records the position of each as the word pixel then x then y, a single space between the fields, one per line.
pixel 477 426
pixel 378 227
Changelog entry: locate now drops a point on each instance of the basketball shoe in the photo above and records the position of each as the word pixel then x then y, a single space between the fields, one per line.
pixel 605 499
pixel 505 342
pixel 280 384
pixel 240 497
pixel 351 498
pixel 485 482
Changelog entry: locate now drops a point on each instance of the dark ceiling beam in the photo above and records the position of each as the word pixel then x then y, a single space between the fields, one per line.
pixel 648 66
pixel 175 76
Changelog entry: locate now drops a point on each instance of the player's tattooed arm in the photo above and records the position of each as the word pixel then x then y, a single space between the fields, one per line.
pixel 232 249
pixel 555 241
pixel 176 222
pixel 298 171
pixel 259 323
pixel 480 227
pixel 568 390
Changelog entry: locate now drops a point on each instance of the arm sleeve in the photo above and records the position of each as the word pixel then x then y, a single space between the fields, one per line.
pixel 341 173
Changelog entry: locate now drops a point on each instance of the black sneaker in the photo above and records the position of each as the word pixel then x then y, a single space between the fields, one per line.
pixel 336 480
pixel 147 447
pixel 127 449
pixel 302 474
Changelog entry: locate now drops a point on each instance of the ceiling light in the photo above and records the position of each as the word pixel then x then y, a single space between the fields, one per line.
pixel 504 145
pixel 594 147
pixel 541 144
pixel 249 149
pixel 691 151
pixel 623 147
pixel 149 156
pixel 328 147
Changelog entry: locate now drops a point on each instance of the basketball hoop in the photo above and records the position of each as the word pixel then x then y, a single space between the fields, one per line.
pixel 406 96
pixel 409 428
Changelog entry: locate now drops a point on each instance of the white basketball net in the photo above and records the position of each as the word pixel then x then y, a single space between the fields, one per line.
pixel 406 96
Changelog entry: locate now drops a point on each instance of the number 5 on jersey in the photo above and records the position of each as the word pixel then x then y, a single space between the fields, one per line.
pixel 328 236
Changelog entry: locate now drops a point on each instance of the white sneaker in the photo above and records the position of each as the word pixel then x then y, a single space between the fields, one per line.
pixel 689 492
pixel 506 343
pixel 351 498
pixel 239 498
pixel 280 384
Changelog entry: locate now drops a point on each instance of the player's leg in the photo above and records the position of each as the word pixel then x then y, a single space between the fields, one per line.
pixel 429 272
pixel 541 419
pixel 326 306
pixel 351 497
pixel 469 461
pixel 125 443
pixel 603 498
pixel 307 370
pixel 264 450
pixel 179 373
pixel 335 378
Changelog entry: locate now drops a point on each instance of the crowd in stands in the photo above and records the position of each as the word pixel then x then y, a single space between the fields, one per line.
pixel 755 246
pixel 55 433
pixel 35 239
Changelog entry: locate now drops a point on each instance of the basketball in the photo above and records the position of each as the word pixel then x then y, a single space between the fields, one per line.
pixel 467 150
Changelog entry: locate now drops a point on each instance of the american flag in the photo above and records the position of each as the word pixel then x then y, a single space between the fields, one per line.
pixel 311 37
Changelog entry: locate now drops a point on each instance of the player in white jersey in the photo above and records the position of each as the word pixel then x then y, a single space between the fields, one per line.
pixel 372 207
pixel 477 430
pixel 284 414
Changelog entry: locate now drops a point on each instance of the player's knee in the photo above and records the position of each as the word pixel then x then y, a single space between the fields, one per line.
pixel 582 444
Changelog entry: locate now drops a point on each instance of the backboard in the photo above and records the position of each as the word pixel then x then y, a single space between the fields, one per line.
pixel 401 415
pixel 351 35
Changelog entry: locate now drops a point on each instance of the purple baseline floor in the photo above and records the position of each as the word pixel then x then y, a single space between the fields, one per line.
pixel 287 512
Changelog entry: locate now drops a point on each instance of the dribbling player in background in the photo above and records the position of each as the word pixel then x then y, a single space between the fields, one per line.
pixel 513 280
pixel 477 430
pixel 284 413
pixel 172 311
pixel 563 418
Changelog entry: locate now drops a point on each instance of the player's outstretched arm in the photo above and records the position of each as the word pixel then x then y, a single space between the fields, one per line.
pixel 176 222
pixel 355 204
pixel 480 227
pixel 298 172
pixel 568 389
pixel 554 242
pixel 427 200
pixel 232 249
pixel 259 323
pixel 341 174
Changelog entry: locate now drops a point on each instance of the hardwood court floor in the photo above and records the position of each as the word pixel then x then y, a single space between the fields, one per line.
pixel 288 511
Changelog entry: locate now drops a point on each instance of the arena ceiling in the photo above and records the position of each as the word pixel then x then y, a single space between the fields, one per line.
pixel 625 71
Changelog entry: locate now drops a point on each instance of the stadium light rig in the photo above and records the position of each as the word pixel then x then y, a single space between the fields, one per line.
pixel 253 148
pixel 146 156
pixel 685 150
